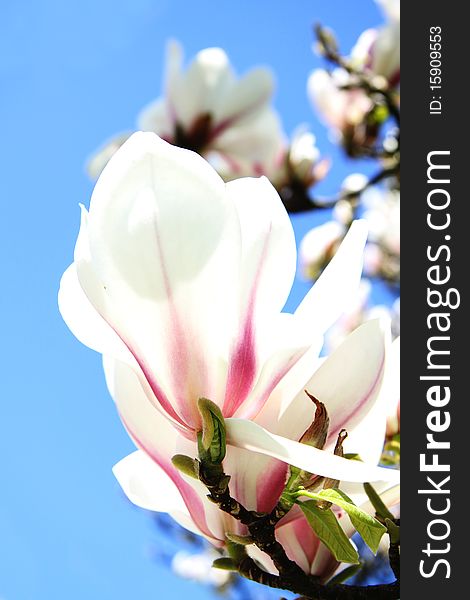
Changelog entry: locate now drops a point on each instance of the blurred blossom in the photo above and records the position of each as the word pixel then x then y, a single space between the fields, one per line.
pixel 198 567
pixel 179 280
pixel 207 109
pixel 362 310
pixel 100 159
pixel 354 183
pixel 301 164
pixel 378 50
pixel 382 213
pixel 341 109
pixel 318 247
pixel 351 319
pixel 346 111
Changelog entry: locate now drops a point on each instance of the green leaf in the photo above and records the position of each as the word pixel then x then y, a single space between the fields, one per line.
pixel 368 528
pixel 377 502
pixel 326 526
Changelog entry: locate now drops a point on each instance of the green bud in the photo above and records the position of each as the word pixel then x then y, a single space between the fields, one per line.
pixel 185 464
pixel 212 442
pixel 379 114
pixel 326 39
pixel 225 564
pixel 242 540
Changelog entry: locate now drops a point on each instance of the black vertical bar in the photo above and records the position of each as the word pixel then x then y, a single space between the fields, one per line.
pixel 435 130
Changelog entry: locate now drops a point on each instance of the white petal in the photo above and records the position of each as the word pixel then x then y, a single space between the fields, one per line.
pixel 147 485
pixel 392 384
pixel 333 292
pixel 97 162
pixel 268 244
pixel 267 272
pixel 249 94
pixel 160 441
pixel 251 146
pixel 155 117
pixel 348 382
pixel 249 435
pixel 173 65
pixel 197 92
pixel 165 266
pixel 84 321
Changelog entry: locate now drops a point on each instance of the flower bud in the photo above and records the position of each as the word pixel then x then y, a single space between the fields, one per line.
pixel 212 444
pixel 185 464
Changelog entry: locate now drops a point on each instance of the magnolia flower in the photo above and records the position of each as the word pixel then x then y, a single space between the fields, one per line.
pixel 205 108
pixel 179 281
pixel 149 479
pixel 301 164
pixel 378 50
pixel 343 110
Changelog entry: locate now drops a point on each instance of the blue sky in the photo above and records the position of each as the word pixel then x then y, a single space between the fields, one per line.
pixel 72 74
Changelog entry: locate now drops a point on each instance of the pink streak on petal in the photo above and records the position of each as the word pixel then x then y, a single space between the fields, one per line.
pixel 232 163
pixel 346 416
pixel 179 353
pixel 222 126
pixel 243 364
pixel 256 403
pixel 306 538
pixel 270 485
pixel 258 169
pixel 159 394
pixel 242 370
pixel 189 495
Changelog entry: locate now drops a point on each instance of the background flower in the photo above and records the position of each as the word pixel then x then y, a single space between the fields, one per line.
pixel 206 108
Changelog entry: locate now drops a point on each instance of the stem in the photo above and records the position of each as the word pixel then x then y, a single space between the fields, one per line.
pixel 314 590
pixel 352 195
pixel 260 525
pixel 262 530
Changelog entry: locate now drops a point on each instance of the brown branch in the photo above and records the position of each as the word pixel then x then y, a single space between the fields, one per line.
pixel 262 531
pixel 353 195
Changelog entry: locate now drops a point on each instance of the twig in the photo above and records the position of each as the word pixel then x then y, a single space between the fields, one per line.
pixel 353 194
pixel 363 81
pixel 262 531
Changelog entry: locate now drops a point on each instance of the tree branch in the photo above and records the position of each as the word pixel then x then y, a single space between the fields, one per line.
pixel 262 531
